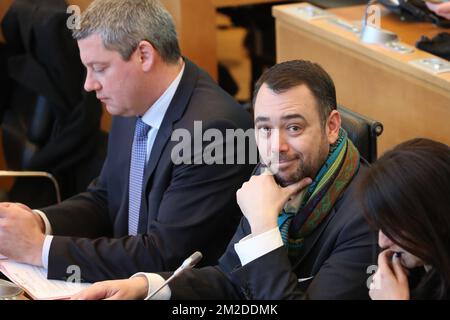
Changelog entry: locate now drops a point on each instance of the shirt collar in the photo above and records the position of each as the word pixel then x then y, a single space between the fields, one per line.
pixel 155 114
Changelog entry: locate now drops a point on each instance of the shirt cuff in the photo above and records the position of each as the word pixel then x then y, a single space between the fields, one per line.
pixel 251 248
pixel 48 226
pixel 154 282
pixel 46 250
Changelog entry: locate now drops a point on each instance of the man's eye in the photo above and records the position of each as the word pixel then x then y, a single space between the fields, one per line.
pixel 264 130
pixel 294 128
pixel 98 68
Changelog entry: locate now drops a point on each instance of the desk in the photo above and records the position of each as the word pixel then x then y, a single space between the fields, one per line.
pixel 370 79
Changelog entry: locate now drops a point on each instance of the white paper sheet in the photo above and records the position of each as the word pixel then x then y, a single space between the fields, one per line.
pixel 34 281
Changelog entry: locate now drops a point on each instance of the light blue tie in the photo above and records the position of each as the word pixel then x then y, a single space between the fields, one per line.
pixel 137 165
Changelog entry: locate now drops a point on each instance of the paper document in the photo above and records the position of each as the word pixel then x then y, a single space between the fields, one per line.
pixel 34 281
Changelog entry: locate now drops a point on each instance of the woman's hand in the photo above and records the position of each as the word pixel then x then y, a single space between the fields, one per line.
pixel 390 282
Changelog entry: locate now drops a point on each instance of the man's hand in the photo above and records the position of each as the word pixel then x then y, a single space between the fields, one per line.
pixel 129 289
pixel 442 9
pixel 390 282
pixel 21 234
pixel 261 200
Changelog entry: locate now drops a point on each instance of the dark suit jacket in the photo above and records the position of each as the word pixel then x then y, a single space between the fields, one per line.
pixel 337 255
pixel 185 207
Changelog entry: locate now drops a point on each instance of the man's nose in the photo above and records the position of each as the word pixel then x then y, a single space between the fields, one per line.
pixel 278 142
pixel 91 84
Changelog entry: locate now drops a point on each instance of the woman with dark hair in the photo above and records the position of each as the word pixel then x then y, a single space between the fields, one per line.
pixel 406 195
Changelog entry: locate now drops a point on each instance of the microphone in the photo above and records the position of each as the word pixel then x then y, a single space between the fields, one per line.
pixel 189 263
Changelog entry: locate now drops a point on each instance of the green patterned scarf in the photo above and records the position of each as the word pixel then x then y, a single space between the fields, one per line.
pixel 305 212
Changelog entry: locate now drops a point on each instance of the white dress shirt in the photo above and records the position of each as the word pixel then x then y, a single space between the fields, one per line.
pixel 248 249
pixel 153 117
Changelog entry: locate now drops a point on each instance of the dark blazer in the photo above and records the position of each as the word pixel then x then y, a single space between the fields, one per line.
pixel 185 207
pixel 337 255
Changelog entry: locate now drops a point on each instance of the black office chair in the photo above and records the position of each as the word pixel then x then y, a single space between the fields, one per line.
pixel 26 130
pixel 362 131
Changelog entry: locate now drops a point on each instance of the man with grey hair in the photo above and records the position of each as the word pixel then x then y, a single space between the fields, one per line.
pixel 143 212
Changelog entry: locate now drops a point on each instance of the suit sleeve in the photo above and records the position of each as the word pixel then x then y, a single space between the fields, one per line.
pixel 212 282
pixel 342 276
pixel 84 215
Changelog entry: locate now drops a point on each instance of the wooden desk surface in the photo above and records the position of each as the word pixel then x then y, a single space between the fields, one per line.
pixel 409 32
pixel 324 30
pixel 371 79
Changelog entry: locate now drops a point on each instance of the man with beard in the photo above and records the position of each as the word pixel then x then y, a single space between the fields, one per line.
pixel 303 234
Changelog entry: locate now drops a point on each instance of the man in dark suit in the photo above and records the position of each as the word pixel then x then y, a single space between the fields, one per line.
pixel 147 210
pixel 304 233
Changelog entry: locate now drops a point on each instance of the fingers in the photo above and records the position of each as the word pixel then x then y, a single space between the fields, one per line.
pixel 5 204
pixel 298 186
pixel 398 269
pixel 23 206
pixel 4 209
pixel 442 9
pixel 266 172
pixel 384 259
pixel 9 208
pixel 95 292
pixel 431 6
pixel 115 297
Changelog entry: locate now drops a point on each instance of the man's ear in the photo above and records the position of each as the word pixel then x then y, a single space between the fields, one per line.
pixel 332 126
pixel 146 54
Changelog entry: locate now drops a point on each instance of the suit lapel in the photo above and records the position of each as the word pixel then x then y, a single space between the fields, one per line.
pixel 311 240
pixel 175 111
pixel 126 140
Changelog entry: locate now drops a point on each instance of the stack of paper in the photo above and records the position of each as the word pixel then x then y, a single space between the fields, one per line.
pixel 34 281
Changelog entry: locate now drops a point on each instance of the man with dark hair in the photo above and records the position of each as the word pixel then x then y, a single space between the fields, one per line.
pixel 303 237
pixel 145 211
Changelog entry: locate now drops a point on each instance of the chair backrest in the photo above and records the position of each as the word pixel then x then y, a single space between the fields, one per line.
pixel 26 129
pixel 362 131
